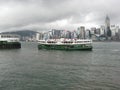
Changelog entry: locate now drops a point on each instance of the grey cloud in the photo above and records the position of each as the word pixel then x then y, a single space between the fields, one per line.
pixel 39 14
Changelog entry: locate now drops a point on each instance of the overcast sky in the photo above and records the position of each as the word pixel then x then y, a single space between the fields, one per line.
pixel 58 14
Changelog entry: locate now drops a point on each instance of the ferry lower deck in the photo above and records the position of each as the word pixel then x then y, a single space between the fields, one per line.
pixel 10 45
pixel 65 47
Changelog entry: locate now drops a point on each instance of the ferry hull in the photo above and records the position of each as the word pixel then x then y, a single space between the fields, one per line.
pixel 10 45
pixel 64 47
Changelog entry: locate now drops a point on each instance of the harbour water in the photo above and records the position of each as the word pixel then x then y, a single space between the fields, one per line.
pixel 31 69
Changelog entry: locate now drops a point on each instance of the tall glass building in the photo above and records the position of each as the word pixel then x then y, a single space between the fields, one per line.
pixel 107 27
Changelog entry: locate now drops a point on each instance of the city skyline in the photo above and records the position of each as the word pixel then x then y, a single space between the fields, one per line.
pixel 64 14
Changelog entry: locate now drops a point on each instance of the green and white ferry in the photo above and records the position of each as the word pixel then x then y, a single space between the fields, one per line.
pixel 9 41
pixel 65 44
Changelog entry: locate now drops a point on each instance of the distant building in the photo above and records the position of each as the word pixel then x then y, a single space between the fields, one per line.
pixel 107 28
pixel 56 33
pixel 93 30
pixel 60 33
pixel 113 30
pixel 118 34
pixel 98 31
pixel 102 30
pixel 82 32
pixel 117 29
pixel 88 34
pixel 39 36
pixel 78 32
pixel 68 34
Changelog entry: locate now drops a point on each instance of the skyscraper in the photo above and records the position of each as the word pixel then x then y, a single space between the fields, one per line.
pixel 102 30
pixel 107 27
pixel 82 32
pixel 107 21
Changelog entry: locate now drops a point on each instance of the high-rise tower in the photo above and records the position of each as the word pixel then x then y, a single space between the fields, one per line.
pixel 82 32
pixel 107 27
pixel 107 21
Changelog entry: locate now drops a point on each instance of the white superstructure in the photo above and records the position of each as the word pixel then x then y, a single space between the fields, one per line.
pixel 66 41
pixel 9 37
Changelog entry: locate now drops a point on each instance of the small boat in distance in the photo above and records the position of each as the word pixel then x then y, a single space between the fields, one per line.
pixel 9 41
pixel 65 44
